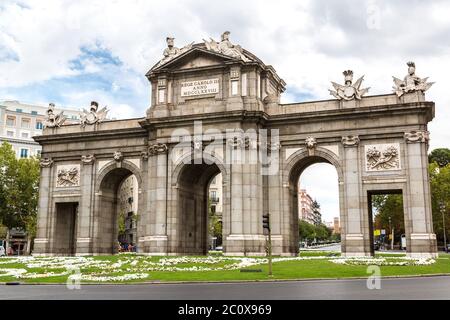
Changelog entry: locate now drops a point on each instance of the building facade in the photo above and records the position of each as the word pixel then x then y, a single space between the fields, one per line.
pixel 215 195
pixel 306 207
pixel 215 108
pixel 127 206
pixel 19 122
pixel 336 226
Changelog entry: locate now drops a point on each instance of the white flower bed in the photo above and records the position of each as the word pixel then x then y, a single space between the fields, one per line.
pixel 125 277
pixel 137 266
pixel 6 272
pixel 367 261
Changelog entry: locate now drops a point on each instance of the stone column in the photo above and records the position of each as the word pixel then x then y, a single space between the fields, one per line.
pixel 84 237
pixel 43 236
pixel 157 240
pixel 234 242
pixel 246 236
pixel 421 241
pixel 356 239
pixel 143 214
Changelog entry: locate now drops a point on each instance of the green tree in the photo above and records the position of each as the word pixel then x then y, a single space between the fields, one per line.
pixel 19 186
pixel 121 224
pixel 214 225
pixel 309 232
pixel 322 232
pixel 441 156
pixel 315 206
pixel 440 196
pixel 306 231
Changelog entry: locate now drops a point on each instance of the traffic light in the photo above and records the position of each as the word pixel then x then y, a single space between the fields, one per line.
pixel 266 221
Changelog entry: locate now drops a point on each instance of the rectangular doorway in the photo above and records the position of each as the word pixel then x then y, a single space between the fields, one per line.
pixel 386 221
pixel 66 228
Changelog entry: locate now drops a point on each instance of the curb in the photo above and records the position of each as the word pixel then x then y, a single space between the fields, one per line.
pixel 435 275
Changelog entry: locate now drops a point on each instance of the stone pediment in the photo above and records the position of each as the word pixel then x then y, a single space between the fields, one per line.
pixel 196 57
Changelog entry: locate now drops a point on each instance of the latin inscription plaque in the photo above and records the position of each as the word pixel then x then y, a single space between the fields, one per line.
pixel 199 87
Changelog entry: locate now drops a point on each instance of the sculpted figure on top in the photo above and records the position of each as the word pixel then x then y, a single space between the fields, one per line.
pixel 226 47
pixel 349 91
pixel 411 82
pixel 53 120
pixel 92 116
pixel 171 51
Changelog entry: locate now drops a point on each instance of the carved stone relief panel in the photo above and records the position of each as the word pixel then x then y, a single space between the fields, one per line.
pixel 68 175
pixel 382 157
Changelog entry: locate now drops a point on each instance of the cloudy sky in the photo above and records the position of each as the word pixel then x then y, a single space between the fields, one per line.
pixel 72 52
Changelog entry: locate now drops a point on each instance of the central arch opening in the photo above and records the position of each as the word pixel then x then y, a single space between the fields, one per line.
pixel 194 207
pixel 117 212
pixel 315 207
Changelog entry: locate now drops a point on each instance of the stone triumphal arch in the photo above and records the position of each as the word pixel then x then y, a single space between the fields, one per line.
pixel 215 108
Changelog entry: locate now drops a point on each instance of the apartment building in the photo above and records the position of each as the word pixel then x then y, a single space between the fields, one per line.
pixel 19 122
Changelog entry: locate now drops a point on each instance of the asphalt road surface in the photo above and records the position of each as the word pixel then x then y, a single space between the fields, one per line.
pixel 405 288
pixel 330 247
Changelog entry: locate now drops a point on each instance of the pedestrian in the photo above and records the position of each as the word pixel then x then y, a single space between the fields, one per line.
pixel 9 251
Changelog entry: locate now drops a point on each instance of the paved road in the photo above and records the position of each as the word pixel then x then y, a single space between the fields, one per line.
pixel 331 247
pixel 406 288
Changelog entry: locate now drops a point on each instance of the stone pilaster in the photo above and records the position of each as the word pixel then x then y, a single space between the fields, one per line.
pixel 246 236
pixel 43 233
pixel 420 236
pixel 84 234
pixel 356 239
pixel 156 239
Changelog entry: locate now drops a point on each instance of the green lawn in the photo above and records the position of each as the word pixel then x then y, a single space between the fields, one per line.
pixel 282 270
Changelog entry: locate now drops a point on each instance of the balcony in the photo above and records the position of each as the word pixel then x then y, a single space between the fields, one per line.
pixel 214 199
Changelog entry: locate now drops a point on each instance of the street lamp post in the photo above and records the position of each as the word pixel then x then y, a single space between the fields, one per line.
pixel 442 207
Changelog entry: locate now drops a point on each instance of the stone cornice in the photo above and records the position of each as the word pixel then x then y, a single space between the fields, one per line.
pixel 92 135
pixel 207 118
pixel 426 108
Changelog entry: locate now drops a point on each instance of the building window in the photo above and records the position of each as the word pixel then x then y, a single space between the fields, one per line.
pixel 25 135
pixel 25 123
pixel 24 153
pixel 39 125
pixel 10 133
pixel 74 118
pixel 34 113
pixel 234 87
pixel 161 93
pixel 244 84
pixel 11 121
pixel 18 110
pixel 258 86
